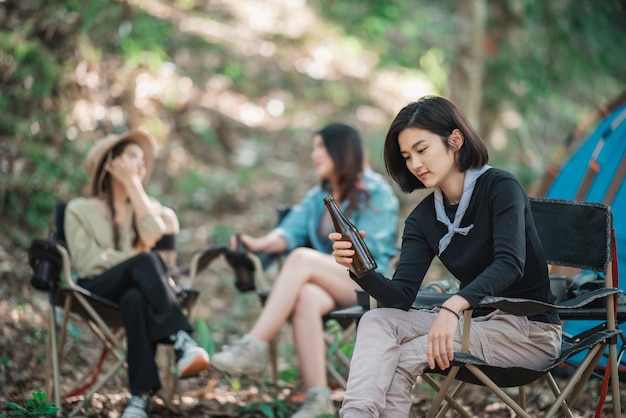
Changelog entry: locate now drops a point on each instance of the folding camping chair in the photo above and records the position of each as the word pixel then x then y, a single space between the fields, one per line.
pixel 51 264
pixel 575 234
pixel 252 271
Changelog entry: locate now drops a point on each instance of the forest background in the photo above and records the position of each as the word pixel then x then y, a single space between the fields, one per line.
pixel 233 89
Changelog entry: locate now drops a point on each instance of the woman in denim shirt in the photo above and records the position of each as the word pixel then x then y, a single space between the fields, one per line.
pixel 310 283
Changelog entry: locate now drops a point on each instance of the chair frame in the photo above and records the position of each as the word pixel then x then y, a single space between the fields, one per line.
pixel 101 316
pixel 467 369
pixel 565 397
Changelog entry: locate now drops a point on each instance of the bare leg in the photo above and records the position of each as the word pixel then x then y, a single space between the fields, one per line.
pixel 308 331
pixel 303 265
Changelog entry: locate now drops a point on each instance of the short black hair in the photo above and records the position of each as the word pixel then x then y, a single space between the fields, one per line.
pixel 439 116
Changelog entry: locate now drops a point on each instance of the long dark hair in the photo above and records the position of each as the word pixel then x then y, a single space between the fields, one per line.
pixel 439 116
pixel 343 144
pixel 101 187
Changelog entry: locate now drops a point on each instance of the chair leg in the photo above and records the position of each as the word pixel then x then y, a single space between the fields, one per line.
pixel 111 340
pixel 450 399
pixel 273 358
pixel 334 353
pixel 169 391
pixel 586 373
pixel 443 390
pixel 499 392
pixel 330 368
pixel 557 391
pixel 617 409
pixel 53 380
pixel 105 378
pixel 570 392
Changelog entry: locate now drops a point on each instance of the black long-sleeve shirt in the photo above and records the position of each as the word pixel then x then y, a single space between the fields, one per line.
pixel 500 256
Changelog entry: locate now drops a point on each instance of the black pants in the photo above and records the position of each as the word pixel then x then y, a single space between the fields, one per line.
pixel 150 311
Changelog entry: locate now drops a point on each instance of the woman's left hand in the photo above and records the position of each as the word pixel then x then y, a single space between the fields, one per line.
pixel 440 347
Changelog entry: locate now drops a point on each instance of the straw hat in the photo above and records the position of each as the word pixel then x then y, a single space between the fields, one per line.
pixel 102 147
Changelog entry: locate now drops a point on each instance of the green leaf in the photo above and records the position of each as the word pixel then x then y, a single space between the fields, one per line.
pixel 16 407
pixel 40 397
pixel 204 336
pixel 266 409
pixel 48 409
pixel 235 384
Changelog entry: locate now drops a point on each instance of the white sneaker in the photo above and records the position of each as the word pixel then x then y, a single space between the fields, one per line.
pixel 247 356
pixel 137 407
pixel 318 404
pixel 191 359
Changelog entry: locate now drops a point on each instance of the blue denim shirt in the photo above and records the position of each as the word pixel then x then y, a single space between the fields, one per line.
pixel 378 217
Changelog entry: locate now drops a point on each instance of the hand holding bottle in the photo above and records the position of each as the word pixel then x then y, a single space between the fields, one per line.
pixel 342 250
pixel 356 256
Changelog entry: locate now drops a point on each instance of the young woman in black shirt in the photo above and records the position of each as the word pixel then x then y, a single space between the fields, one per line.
pixel 478 222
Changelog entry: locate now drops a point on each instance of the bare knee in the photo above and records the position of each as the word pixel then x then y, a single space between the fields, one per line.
pixel 311 302
pixel 301 258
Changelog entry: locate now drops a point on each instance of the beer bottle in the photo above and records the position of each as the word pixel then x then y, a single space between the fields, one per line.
pixel 362 260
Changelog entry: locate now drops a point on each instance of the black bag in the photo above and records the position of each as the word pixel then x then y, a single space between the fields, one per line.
pixel 583 283
pixel 243 268
pixel 46 262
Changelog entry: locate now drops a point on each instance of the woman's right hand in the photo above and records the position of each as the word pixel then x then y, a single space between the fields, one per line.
pixel 123 171
pixel 138 249
pixel 243 242
pixel 342 249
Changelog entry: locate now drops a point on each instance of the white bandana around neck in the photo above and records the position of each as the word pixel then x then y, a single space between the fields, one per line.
pixel 469 182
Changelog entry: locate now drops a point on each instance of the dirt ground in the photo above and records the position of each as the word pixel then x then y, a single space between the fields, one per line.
pixel 23 339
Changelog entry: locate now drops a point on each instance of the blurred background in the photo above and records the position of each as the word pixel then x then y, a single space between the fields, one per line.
pixel 233 89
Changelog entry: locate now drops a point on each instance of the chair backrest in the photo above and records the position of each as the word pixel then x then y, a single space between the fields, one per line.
pixel 58 220
pixel 574 234
pixel 268 259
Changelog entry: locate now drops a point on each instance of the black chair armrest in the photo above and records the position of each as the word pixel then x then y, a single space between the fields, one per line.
pixel 244 269
pixel 430 300
pixel 204 257
pixel 528 307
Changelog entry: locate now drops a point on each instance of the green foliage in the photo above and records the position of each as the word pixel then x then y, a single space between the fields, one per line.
pixel 46 176
pixel 546 55
pixel 203 336
pixel 399 32
pixel 35 407
pixel 143 41
pixel 289 374
pixel 278 408
pixel 334 328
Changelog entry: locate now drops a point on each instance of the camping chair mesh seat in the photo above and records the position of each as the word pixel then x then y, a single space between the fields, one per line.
pixel 51 265
pixel 574 234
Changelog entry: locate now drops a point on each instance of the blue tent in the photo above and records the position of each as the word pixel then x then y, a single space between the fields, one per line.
pixel 595 171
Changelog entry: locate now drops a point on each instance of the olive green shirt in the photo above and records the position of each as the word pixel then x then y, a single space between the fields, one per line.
pixel 89 233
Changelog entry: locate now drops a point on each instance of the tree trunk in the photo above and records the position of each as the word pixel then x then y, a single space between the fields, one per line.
pixel 467 70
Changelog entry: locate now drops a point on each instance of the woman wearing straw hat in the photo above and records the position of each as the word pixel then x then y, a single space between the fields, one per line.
pixel 109 236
